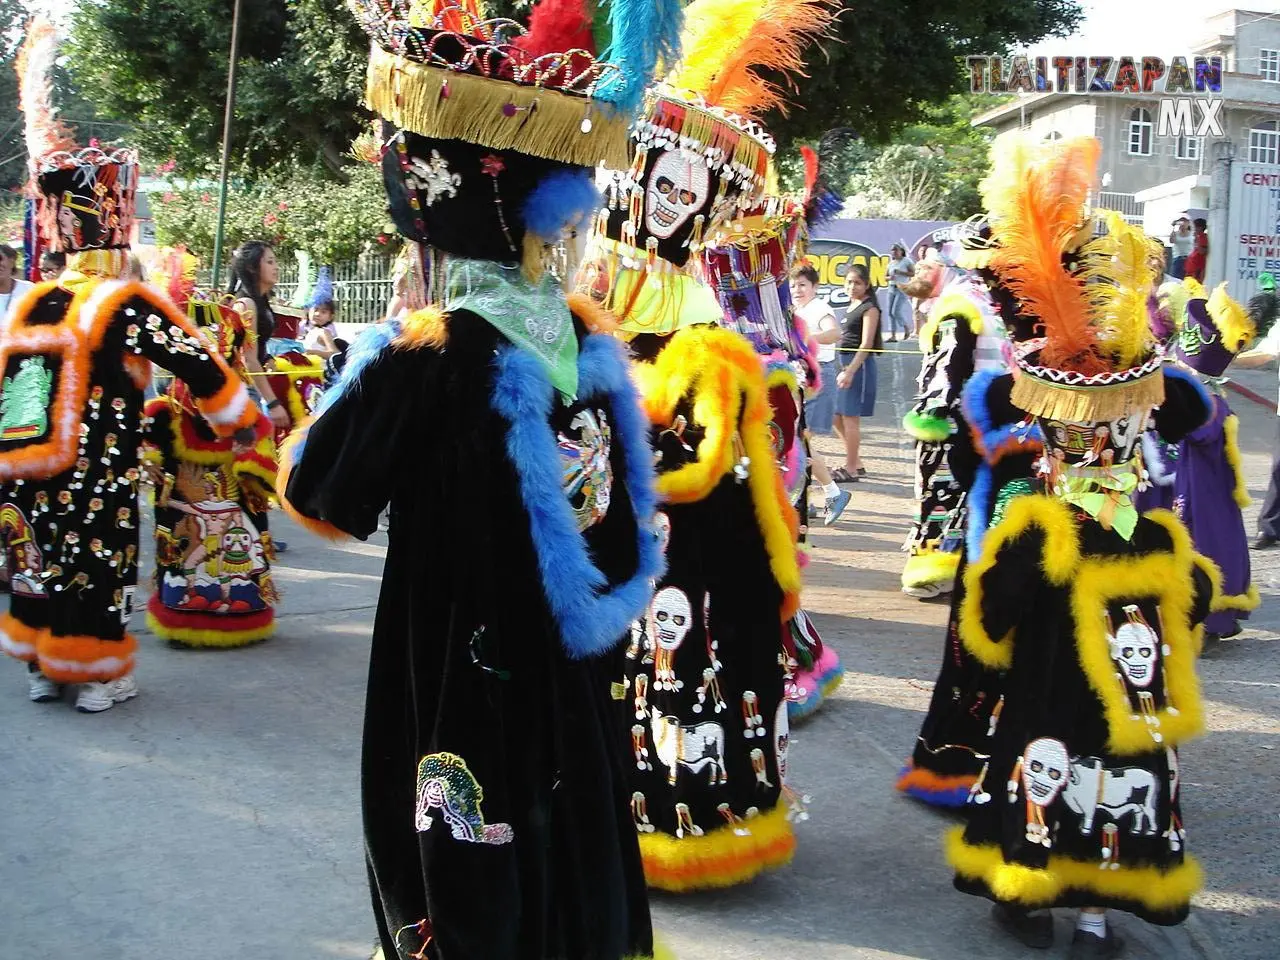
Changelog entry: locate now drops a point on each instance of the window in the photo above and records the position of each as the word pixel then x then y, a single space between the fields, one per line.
pixel 1269 65
pixel 1140 132
pixel 1264 143
pixel 1188 148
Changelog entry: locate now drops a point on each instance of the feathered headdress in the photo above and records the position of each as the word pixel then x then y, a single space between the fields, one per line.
pixel 322 293
pixel 1094 360
pixel 45 132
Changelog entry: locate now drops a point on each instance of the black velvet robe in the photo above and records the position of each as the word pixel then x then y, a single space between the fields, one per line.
pixel 495 800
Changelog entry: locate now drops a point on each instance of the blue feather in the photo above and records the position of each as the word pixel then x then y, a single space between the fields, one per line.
pixel 645 33
pixel 322 292
pixel 559 200
pixel 592 617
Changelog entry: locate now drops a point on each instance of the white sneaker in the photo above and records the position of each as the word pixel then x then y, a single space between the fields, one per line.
pixel 96 697
pixel 42 689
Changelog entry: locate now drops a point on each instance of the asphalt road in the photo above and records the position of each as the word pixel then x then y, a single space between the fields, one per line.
pixel 217 815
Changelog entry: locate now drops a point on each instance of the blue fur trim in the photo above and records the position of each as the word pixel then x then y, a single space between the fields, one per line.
pixel 1177 373
pixel 952 799
pixel 644 33
pixel 560 199
pixel 368 347
pixel 591 621
pixel 980 503
pixel 802 709
pixel 973 400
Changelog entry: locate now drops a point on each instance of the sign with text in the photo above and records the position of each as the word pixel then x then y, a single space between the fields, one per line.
pixel 1253 227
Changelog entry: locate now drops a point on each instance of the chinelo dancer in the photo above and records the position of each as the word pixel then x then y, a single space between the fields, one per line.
pixel 1209 488
pixel 496 805
pixel 748 262
pixel 75 355
pixel 1090 609
pixel 702 682
pixel 213 585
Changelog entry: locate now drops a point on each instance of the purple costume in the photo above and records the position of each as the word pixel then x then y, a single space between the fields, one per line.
pixel 1208 489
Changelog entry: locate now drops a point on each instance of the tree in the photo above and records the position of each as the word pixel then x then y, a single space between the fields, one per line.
pixel 13 147
pixel 889 61
pixel 162 64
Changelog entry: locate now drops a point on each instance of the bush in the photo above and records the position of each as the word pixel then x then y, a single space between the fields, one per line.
pixel 331 221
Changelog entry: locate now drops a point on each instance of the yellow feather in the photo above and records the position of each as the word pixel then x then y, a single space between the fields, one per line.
pixel 1121 271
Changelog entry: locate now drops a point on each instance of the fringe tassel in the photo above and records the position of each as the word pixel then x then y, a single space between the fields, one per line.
pixel 436 102
pixel 1076 404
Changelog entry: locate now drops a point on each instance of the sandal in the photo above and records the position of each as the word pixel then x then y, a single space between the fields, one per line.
pixel 862 472
pixel 841 475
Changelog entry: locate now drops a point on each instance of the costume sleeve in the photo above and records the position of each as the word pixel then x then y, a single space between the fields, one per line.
pixel 154 329
pixel 338 470
pixel 1202 592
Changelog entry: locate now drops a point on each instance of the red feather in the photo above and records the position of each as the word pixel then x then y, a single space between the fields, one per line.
pixel 810 170
pixel 557 26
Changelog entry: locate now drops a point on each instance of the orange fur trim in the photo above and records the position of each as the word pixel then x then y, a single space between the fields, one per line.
pixel 321 528
pixel 81 659
pixel 923 779
pixel 594 316
pixel 19 640
pixel 428 327
pixel 721 857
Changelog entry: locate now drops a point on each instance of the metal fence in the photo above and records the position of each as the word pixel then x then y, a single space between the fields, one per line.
pixel 1124 204
pixel 362 288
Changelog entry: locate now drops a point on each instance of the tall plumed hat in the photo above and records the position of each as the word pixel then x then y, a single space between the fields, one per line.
pixel 1094 358
pixel 700 155
pixel 322 293
pixel 1214 329
pixel 84 196
pixel 488 129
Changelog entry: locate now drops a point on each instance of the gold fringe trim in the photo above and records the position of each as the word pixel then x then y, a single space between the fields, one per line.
pixel 1078 404
pixel 1231 438
pixel 546 123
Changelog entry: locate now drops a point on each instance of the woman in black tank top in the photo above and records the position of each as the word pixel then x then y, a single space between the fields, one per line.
pixel 856 393
pixel 254 274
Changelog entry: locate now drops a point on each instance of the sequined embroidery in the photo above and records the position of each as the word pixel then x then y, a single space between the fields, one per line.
pixel 587 475
pixel 446 784
pixel 24 402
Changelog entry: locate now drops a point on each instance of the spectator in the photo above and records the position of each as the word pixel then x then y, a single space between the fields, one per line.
pixel 1263 312
pixel 901 267
pixel 11 288
pixel 52 264
pixel 859 341
pixel 1199 256
pixel 1182 240
pixel 819 409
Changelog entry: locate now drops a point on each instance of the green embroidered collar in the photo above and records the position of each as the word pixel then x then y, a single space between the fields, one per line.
pixel 535 317
pixel 1104 493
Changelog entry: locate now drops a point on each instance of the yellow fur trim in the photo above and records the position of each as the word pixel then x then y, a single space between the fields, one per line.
pixel 729 398
pixel 929 567
pixel 408 94
pixel 1032 887
pixel 428 327
pixel 1249 600
pixel 1059 557
pixel 1165 577
pixel 1231 440
pixel 952 303
pixel 195 637
pixel 719 858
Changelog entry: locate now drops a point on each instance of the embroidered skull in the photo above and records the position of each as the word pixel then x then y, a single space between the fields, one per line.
pixel 1135 648
pixel 671 617
pixel 677 189
pixel 1045 765
pixel 781 739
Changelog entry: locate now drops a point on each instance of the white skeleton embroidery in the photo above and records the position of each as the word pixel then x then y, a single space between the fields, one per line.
pixel 670 619
pixel 432 178
pixel 677 189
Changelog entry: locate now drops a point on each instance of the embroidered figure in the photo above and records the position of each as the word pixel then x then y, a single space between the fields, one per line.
pixel 587 474
pixel 24 401
pixel 694 748
pixel 1094 791
pixel 446 784
pixel 432 178
pixel 1043 767
pixel 25 560
pixel 670 618
pixel 1134 647
pixel 781 739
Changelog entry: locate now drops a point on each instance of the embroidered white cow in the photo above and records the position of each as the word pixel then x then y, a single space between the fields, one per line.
pixel 1118 793
pixel 695 748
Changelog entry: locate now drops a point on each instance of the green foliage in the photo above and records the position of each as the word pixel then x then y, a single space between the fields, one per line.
pixel 162 65
pixel 332 221
pixel 889 61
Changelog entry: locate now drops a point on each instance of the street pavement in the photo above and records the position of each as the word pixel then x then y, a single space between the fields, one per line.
pixel 217 815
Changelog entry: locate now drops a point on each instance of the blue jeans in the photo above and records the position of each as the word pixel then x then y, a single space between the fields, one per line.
pixel 899 308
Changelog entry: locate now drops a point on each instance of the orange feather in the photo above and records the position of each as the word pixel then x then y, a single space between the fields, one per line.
pixel 1036 197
